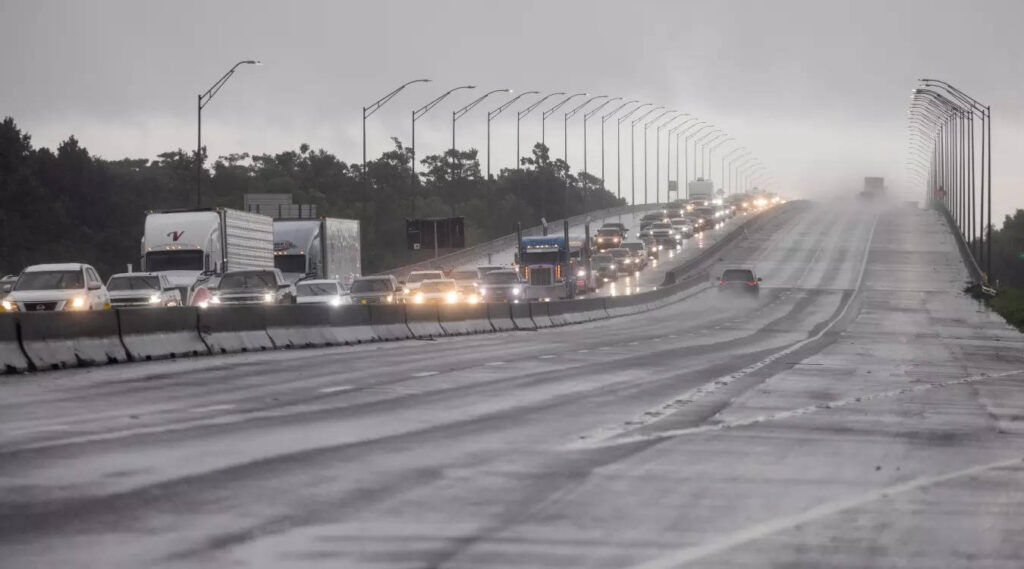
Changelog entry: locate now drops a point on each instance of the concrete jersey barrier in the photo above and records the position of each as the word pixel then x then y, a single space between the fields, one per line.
pixel 500 316
pixel 300 326
pixel 459 319
pixel 228 329
pixel 351 324
pixel 155 333
pixel 423 320
pixel 54 340
pixel 388 321
pixel 12 359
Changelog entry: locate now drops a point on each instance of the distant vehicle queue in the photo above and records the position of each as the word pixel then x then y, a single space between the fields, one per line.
pixel 241 258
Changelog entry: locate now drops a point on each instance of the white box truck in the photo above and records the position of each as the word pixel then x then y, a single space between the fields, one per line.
pixel 185 244
pixel 324 248
pixel 700 189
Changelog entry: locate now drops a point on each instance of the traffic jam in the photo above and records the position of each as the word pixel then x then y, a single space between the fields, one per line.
pixel 224 257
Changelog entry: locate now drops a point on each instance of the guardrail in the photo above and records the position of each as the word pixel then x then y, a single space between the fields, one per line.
pixel 507 241
pixel 55 340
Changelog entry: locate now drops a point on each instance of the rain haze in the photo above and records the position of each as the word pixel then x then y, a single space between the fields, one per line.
pixel 795 344
pixel 818 90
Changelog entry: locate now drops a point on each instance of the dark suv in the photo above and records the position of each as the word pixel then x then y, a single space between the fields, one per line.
pixel 379 289
pixel 262 286
pixel 739 280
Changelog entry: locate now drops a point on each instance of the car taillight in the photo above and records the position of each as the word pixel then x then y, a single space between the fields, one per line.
pixel 751 282
pixel 721 282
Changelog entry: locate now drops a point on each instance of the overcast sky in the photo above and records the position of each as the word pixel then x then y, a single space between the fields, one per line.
pixel 817 89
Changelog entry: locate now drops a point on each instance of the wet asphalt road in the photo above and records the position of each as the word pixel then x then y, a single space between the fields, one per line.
pixel 862 412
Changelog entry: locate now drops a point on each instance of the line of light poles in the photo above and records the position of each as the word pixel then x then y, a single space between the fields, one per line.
pixel 941 154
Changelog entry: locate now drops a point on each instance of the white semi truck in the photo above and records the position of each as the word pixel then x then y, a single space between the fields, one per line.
pixel 324 248
pixel 186 244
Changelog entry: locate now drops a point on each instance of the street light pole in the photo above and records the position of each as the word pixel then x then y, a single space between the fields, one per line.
pixel 416 115
pixel 699 141
pixel 618 147
pixel 668 155
pixel 632 150
pixel 201 102
pixel 712 145
pixel 646 126
pixel 544 115
pixel 725 180
pixel 586 117
pixel 519 118
pixel 604 119
pixel 456 115
pixel 491 115
pixel 657 156
pixel 565 139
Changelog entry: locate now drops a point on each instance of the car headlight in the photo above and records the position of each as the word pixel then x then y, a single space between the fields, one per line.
pixel 483 290
pixel 451 297
pixel 268 297
pixel 418 299
pixel 8 305
pixel 472 299
pixel 581 273
pixel 155 299
pixel 336 301
pixel 214 300
pixel 627 261
pixel 405 290
pixel 78 302
pixel 390 298
pixel 517 290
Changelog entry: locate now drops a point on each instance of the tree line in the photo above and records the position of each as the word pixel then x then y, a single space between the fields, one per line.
pixel 71 206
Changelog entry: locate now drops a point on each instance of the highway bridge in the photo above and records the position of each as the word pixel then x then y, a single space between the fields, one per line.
pixel 861 412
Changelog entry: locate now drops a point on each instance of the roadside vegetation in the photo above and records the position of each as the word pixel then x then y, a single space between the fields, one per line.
pixel 69 205
pixel 1007 270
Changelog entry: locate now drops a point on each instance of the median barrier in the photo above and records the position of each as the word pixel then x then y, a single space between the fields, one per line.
pixel 540 315
pixel 625 305
pixel 500 316
pixel 350 324
pixel 164 332
pixel 388 321
pixel 229 329
pixel 423 320
pixel 12 359
pixel 54 340
pixel 564 312
pixel 460 319
pixel 521 316
pixel 300 325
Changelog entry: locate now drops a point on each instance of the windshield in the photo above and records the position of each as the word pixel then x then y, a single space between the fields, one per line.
pixel 371 285
pixel 608 232
pixel 662 226
pixel 705 211
pixel 633 246
pixel 290 263
pixel 618 253
pixel 316 289
pixel 262 279
pixel 157 261
pixel 501 278
pixel 50 280
pixel 602 259
pixel 738 275
pixel 417 277
pixel 678 222
pixel 463 275
pixel 438 286
pixel 133 283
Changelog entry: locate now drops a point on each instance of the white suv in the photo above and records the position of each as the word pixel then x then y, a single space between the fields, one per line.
pixel 63 286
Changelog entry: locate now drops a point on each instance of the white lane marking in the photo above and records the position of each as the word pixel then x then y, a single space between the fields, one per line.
pixel 494 364
pixel 550 356
pixel 665 409
pixel 582 351
pixel 839 403
pixel 769 527
pixel 213 408
pixel 425 373
pixel 42 429
pixel 337 388
pixel 633 343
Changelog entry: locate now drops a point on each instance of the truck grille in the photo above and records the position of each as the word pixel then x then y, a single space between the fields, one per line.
pixel 541 276
pixel 129 301
pixel 40 306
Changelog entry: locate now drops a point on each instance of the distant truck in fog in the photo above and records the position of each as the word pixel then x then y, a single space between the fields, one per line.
pixel 186 244
pixel 700 189
pixel 324 248
pixel 874 186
